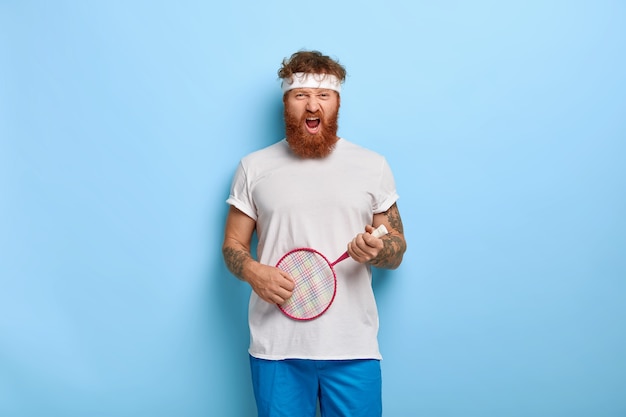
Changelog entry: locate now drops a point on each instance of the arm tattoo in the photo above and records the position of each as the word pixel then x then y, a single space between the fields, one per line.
pixel 393 217
pixel 234 259
pixel 391 255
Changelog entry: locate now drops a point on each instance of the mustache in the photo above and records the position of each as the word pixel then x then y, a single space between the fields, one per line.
pixel 313 114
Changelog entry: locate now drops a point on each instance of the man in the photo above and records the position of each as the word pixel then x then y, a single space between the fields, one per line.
pixel 313 189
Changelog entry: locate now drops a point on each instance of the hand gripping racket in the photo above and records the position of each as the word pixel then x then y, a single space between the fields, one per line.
pixel 315 281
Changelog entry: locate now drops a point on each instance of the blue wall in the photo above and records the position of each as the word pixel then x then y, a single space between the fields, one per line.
pixel 121 124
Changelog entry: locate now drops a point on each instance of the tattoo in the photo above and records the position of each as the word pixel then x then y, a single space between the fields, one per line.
pixel 235 259
pixel 391 255
pixel 393 217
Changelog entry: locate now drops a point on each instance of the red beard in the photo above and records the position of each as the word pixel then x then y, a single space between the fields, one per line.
pixel 305 145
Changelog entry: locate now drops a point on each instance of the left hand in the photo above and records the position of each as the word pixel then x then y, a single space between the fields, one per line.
pixel 365 247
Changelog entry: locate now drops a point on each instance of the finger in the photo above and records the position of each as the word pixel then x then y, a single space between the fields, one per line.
pixel 372 241
pixel 357 253
pixel 288 283
pixel 276 296
pixel 364 242
pixel 354 248
pixel 282 296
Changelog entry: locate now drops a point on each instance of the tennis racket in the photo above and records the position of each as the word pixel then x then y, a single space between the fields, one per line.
pixel 315 281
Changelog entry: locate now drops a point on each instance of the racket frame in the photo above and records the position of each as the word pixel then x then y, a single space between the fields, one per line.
pixel 379 232
pixel 334 293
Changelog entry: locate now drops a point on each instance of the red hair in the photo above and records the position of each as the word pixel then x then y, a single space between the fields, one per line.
pixel 311 62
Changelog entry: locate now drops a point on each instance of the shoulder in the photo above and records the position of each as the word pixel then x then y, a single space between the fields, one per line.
pixel 277 150
pixel 352 150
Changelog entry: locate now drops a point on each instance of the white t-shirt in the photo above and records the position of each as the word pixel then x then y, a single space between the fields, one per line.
pixel 320 204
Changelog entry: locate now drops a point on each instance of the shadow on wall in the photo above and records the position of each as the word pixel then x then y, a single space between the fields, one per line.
pixel 226 297
pixel 275 127
pixel 226 323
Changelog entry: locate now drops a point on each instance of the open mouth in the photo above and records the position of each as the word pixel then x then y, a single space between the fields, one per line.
pixel 313 124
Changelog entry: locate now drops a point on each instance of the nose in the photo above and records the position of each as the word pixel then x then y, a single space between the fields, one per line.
pixel 312 104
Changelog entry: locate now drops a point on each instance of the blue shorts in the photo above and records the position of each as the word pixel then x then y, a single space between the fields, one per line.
pixel 292 387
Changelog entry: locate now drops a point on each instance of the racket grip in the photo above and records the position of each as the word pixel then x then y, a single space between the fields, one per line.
pixel 380 231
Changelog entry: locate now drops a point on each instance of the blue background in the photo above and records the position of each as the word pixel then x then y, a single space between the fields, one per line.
pixel 121 125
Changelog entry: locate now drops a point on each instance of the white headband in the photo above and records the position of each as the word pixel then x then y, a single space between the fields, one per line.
pixel 303 80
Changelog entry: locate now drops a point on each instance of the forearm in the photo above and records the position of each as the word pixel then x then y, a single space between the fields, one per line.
pixel 390 257
pixel 394 247
pixel 237 259
pixel 269 283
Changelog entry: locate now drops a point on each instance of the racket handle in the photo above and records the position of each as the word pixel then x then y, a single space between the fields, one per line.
pixel 380 231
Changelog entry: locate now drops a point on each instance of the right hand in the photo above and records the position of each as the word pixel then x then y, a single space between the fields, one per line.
pixel 271 284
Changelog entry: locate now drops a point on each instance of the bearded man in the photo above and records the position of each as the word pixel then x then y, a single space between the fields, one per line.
pixel 317 190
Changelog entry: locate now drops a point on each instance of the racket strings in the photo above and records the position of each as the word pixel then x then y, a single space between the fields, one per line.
pixel 315 284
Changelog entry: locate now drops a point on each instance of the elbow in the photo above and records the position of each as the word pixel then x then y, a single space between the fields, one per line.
pixel 397 260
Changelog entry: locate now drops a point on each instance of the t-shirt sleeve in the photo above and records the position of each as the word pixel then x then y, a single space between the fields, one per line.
pixel 387 194
pixel 240 196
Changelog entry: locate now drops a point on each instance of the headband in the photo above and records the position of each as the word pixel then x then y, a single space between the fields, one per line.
pixel 304 80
